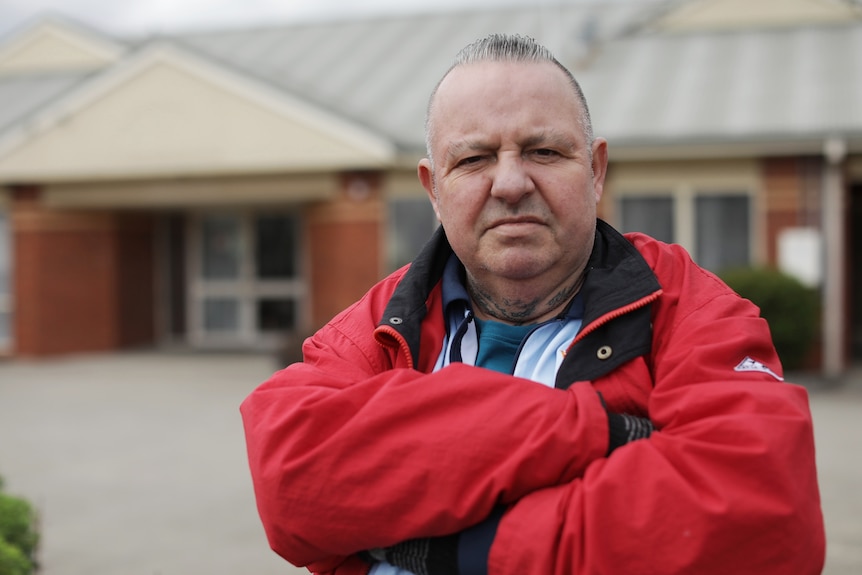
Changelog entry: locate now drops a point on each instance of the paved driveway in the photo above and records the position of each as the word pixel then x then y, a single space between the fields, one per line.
pixel 136 462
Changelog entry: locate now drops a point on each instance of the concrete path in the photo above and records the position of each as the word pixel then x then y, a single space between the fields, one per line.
pixel 136 462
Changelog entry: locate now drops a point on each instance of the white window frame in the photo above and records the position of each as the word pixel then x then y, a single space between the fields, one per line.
pixel 686 182
pixel 247 289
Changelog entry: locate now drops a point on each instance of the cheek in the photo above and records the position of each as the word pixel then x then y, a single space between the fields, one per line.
pixel 458 205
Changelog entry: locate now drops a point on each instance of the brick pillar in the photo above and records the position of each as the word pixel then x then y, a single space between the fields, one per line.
pixel 791 196
pixel 345 243
pixel 83 280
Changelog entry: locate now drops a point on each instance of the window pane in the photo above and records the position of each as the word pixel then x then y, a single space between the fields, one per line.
pixel 276 315
pixel 221 314
pixel 411 223
pixel 652 215
pixel 722 231
pixel 221 247
pixel 275 246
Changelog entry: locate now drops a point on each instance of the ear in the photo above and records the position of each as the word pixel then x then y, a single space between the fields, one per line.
pixel 600 166
pixel 426 178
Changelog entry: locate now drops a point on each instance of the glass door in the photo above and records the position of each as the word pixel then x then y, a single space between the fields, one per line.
pixel 246 284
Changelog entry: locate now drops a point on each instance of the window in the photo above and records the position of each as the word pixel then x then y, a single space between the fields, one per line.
pixel 652 215
pixel 275 247
pixel 411 223
pixel 221 314
pixel 722 229
pixel 245 283
pixel 714 226
pixel 221 247
pixel 276 315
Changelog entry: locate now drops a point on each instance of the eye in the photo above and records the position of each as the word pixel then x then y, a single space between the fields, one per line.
pixel 545 153
pixel 469 160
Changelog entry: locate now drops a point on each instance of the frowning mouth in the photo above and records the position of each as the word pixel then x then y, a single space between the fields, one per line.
pixel 516 222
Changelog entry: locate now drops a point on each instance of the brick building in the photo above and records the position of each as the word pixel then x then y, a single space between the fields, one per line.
pixel 217 189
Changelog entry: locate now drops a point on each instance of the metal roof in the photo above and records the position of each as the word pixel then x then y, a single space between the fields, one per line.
pixel 645 87
pixel 380 72
pixel 761 84
pixel 22 95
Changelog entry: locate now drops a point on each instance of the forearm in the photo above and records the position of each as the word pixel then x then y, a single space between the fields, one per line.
pixel 728 486
pixel 404 455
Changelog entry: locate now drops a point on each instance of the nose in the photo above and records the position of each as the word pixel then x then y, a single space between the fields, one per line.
pixel 511 180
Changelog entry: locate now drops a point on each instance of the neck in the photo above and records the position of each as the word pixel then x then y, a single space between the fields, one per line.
pixel 516 303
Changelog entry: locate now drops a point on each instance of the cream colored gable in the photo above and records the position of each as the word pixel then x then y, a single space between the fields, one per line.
pixel 169 114
pixel 721 14
pixel 54 46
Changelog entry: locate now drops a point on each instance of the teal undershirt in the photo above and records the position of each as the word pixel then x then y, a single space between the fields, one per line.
pixel 499 344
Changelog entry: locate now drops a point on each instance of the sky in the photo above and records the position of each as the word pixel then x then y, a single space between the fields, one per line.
pixel 127 18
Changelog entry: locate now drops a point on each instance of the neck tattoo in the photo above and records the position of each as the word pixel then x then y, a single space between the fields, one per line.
pixel 520 312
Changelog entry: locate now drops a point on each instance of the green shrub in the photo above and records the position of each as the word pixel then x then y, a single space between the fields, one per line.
pixel 791 309
pixel 13 561
pixel 18 535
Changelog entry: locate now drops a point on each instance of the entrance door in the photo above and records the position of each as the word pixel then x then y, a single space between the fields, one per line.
pixel 854 272
pixel 246 287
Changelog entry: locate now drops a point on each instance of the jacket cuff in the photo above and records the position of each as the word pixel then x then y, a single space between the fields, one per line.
pixel 474 545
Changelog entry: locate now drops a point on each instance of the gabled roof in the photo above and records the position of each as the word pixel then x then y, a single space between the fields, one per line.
pixel 165 112
pixel 380 71
pixel 57 44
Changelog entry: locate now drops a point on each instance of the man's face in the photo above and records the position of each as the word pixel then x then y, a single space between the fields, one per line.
pixel 514 182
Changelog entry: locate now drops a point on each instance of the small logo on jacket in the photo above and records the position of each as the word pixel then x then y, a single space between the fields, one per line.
pixel 749 364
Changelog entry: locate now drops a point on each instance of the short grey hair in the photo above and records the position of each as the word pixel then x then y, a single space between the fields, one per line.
pixel 508 48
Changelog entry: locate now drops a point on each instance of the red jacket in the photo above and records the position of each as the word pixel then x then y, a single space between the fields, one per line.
pixel 362 446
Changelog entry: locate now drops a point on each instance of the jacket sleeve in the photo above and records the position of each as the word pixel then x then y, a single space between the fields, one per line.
pixel 348 455
pixel 728 483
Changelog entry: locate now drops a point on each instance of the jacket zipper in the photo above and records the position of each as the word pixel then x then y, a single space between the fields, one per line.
pixel 402 343
pixel 613 315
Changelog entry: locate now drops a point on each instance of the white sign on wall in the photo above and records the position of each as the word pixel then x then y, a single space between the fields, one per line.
pixel 800 254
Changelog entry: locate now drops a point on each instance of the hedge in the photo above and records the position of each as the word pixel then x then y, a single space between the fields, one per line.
pixel 791 309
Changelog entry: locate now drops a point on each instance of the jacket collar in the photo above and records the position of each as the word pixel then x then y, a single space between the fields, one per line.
pixel 617 276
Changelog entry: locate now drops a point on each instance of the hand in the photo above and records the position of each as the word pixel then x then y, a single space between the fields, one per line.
pixel 625 428
pixel 428 556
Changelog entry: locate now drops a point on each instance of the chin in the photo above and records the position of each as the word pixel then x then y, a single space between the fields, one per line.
pixel 518 268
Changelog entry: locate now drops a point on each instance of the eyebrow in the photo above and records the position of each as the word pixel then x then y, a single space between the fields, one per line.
pixel 456 149
pixel 553 138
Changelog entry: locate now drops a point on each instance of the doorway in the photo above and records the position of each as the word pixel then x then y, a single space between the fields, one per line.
pixel 245 283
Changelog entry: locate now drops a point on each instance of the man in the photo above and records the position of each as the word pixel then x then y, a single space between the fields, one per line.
pixel 536 393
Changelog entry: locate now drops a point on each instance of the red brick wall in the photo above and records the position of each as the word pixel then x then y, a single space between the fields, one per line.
pixel 83 280
pixel 344 237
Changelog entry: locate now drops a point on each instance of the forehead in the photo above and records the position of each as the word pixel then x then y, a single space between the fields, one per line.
pixel 486 78
pixel 500 91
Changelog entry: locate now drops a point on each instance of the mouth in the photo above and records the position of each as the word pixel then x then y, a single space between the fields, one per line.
pixel 516 223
